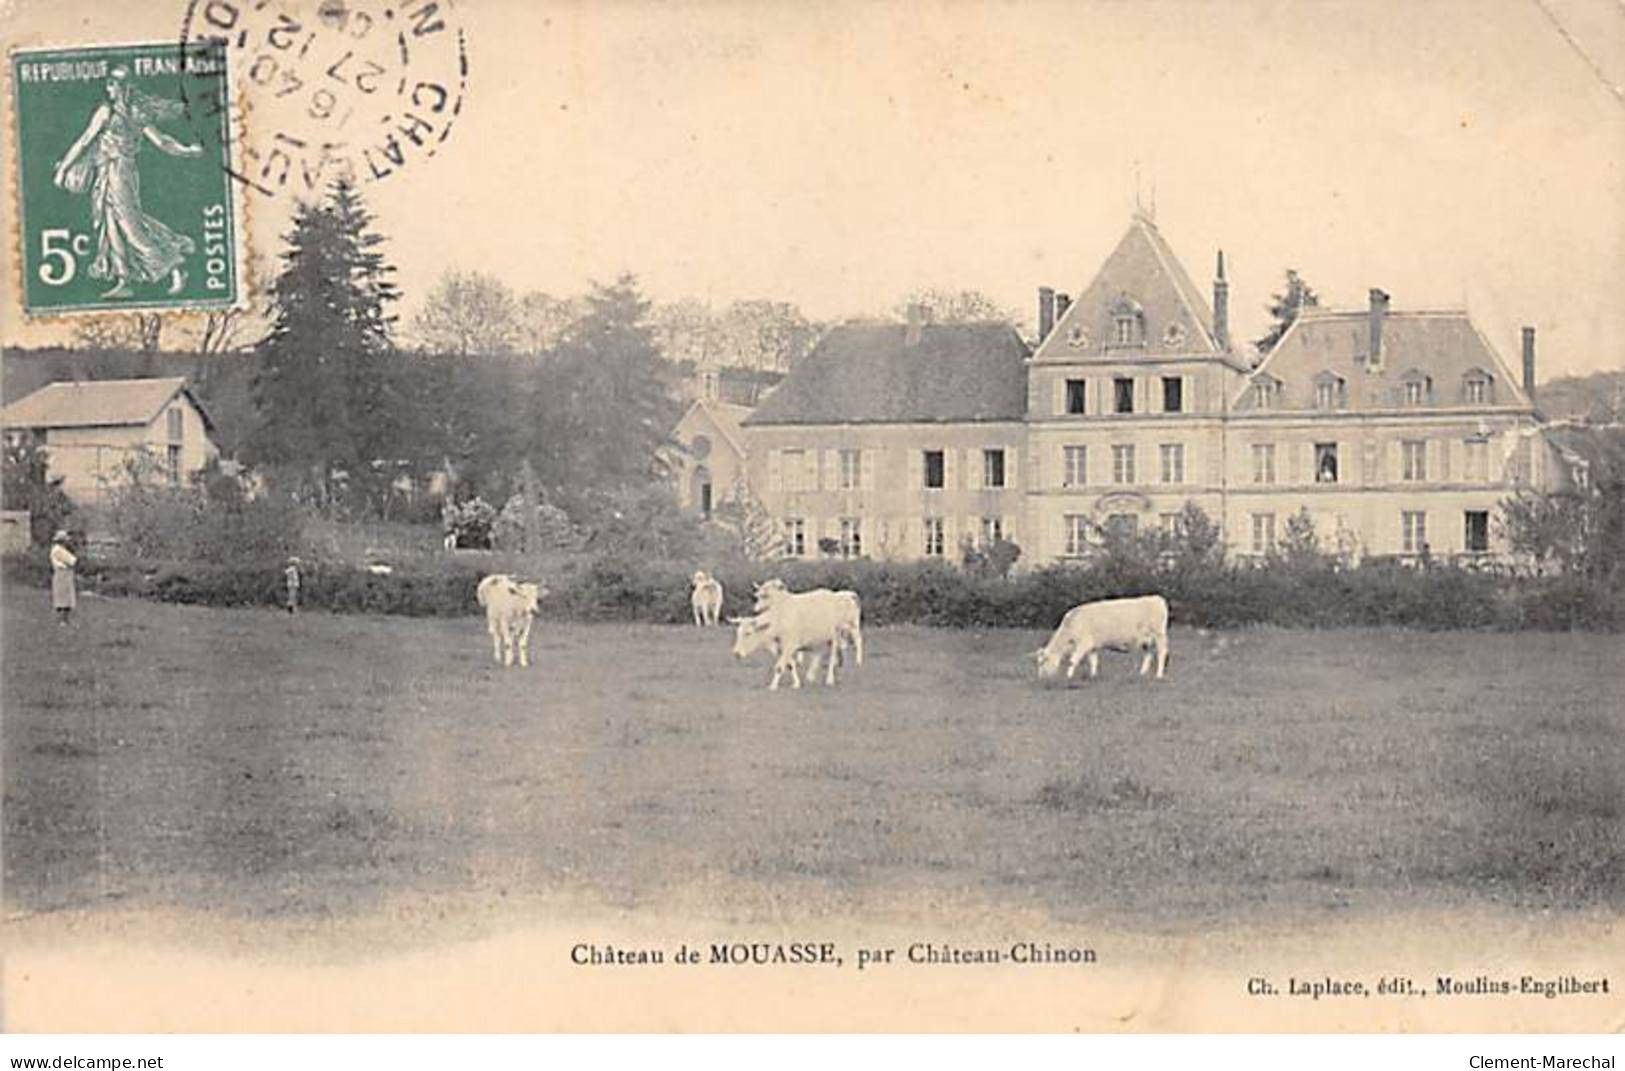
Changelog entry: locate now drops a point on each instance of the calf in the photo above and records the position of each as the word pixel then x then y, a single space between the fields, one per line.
pixel 1115 625
pixel 509 607
pixel 706 599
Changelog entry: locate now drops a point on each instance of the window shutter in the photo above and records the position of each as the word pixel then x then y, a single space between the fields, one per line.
pixel 1060 395
pixel 866 469
pixel 775 470
pixel 1396 461
pixel 973 469
pixel 1012 468
pixel 1192 460
pixel 1187 393
pixel 916 469
pixel 832 470
pixel 1153 392
pixel 950 470
pixel 1446 448
pixel 809 470
pixel 1294 454
pixel 1345 464
pixel 950 538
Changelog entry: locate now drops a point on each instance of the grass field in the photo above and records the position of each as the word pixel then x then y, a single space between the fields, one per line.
pixel 260 766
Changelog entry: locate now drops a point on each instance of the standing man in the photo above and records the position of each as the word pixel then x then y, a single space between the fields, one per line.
pixel 290 577
pixel 64 593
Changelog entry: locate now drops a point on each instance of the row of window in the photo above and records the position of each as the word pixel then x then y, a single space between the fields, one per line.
pixel 1083 532
pixel 1075 464
pixel 798 469
pixel 849 536
pixel 1413 461
pixel 1122 395
pixel 1332 391
pixel 1413 532
pixel 1328 465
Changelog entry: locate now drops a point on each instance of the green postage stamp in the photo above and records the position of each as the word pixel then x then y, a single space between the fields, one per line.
pixel 124 178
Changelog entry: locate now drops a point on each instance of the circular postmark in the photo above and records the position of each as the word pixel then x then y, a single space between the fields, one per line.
pixel 351 89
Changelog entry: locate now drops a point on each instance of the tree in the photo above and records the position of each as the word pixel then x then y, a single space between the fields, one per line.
pixel 325 388
pixel 686 331
pixel 743 514
pixel 1284 307
pixel 1299 546
pixel 25 483
pixel 224 331
pixel 603 401
pixel 468 313
pixel 767 336
pixel 954 307
pixel 1580 531
pixel 542 320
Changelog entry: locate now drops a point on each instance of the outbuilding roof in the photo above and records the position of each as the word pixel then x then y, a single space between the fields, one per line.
pixel 874 373
pixel 98 403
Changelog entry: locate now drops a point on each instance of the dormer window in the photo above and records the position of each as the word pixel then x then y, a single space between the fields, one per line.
pixel 1417 388
pixel 1129 320
pixel 1266 392
pixel 1331 391
pixel 1477 388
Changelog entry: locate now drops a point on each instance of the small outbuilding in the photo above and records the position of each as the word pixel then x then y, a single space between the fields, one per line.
pixel 92 431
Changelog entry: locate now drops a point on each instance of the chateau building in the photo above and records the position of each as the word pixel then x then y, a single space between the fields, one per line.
pixel 1398 430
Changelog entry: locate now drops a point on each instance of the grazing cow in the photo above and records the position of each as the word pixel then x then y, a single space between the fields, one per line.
pixel 707 599
pixel 509 607
pixel 770 592
pixel 1113 625
pixel 793 623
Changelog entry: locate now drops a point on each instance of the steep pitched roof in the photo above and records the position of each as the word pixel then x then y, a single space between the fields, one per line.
pixel 868 373
pixel 97 403
pixel 1442 345
pixel 1142 273
pixel 724 416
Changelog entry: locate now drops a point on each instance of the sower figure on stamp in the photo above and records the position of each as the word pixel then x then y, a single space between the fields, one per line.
pixel 291 581
pixel 129 243
pixel 64 594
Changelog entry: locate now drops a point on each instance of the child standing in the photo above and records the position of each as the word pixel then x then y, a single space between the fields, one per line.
pixel 64 591
pixel 291 581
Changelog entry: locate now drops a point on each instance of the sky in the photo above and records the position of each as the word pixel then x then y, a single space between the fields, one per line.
pixel 841 154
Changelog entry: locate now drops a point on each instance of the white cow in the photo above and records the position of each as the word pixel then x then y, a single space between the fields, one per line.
pixel 706 599
pixel 1114 625
pixel 509 607
pixel 770 592
pixel 795 623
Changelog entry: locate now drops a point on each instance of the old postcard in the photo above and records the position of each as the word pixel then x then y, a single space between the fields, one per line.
pixel 885 516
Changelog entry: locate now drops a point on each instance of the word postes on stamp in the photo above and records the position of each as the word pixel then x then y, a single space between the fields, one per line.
pixel 123 187
pixel 352 89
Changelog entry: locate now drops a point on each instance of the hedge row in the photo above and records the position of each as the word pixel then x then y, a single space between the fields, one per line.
pixel 923 593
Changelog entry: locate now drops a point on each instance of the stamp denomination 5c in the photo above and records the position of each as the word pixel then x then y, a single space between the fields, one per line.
pixel 124 195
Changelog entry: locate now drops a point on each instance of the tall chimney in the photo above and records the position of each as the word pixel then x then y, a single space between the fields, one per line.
pixel 1221 306
pixel 1046 311
pixel 1379 313
pixel 916 324
pixel 1062 303
pixel 1529 362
